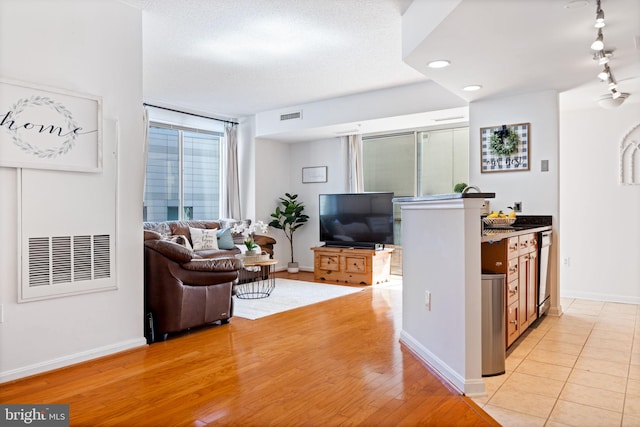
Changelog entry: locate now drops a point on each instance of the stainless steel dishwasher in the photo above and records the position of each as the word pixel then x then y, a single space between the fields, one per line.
pixel 544 291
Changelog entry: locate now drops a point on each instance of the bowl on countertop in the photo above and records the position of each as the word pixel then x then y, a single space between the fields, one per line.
pixel 499 222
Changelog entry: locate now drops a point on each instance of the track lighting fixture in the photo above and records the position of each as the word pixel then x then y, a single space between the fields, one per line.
pixel 614 98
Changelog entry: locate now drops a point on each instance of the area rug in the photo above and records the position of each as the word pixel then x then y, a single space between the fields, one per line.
pixel 287 295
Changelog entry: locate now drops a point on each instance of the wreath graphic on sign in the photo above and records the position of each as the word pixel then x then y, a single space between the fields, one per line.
pixel 504 142
pixel 40 101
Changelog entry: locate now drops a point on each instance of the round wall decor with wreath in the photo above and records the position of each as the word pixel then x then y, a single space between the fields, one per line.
pixel 504 142
pixel 43 101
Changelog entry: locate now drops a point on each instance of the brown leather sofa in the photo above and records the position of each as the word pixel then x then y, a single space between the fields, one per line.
pixel 186 288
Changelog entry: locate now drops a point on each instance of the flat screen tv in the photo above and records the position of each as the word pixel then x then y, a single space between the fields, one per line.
pixel 359 220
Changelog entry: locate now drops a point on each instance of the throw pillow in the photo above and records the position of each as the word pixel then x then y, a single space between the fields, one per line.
pixel 203 239
pixel 179 239
pixel 225 241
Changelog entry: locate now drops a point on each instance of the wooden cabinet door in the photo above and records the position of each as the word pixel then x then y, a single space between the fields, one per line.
pixel 355 264
pixel 329 262
pixel 522 296
pixel 532 288
pixel 513 331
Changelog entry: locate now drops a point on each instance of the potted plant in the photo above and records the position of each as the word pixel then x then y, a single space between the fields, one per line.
pixel 288 217
pixel 459 187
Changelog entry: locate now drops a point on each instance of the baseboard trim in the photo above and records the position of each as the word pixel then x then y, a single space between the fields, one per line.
pixel 594 296
pixel 71 359
pixel 467 387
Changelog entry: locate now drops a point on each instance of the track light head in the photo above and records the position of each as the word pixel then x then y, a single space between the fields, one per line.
pixel 599 19
pixel 598 43
pixel 604 74
pixel 602 56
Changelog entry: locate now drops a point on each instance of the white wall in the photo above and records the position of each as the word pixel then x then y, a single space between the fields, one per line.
pixel 599 217
pixel 538 191
pixel 279 170
pixel 331 153
pixel 247 157
pixel 71 44
pixel 272 181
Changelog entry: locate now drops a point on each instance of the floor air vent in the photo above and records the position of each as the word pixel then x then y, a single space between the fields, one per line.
pixel 68 259
pixel 291 116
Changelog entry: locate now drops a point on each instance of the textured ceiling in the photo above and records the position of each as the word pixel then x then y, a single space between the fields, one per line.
pixel 234 58
pixel 239 57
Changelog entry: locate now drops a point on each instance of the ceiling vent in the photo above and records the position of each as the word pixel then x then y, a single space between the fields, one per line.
pixel 291 116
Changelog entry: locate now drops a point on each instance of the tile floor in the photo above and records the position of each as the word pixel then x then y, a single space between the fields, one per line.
pixel 581 369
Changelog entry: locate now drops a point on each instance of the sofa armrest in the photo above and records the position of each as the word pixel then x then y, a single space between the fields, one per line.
pixel 171 250
pixel 152 235
pixel 213 264
pixel 262 240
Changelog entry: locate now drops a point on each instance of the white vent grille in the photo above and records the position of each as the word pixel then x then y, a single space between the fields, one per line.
pixel 61 247
pixel 39 256
pixel 101 257
pixel 68 259
pixel 291 116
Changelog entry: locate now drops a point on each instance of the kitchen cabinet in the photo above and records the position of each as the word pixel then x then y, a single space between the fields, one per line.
pixel 516 257
pixel 352 265
pixel 527 267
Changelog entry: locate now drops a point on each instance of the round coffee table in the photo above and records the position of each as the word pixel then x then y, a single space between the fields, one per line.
pixel 259 283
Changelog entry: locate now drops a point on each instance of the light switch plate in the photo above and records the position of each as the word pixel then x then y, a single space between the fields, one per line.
pixel 544 166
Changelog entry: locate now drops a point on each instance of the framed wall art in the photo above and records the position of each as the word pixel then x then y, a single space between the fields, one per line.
pixel 314 174
pixel 46 128
pixel 505 148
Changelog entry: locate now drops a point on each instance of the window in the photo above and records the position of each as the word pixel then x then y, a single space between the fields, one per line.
pixel 183 174
pixel 415 163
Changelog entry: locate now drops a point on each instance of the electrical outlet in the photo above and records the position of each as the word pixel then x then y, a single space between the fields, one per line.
pixel 427 299
pixel 517 206
pixel 567 262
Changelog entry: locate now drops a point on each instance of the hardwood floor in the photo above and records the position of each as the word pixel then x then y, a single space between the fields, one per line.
pixel 338 362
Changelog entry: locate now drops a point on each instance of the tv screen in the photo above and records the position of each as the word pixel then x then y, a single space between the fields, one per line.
pixel 356 219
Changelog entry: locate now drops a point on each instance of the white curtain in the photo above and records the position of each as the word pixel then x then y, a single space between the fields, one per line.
pixel 145 150
pixel 231 197
pixel 356 180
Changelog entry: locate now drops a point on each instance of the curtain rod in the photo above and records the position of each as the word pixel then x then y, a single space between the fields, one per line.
pixel 190 114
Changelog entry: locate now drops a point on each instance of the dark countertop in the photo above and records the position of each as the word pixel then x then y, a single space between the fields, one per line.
pixel 496 234
pixel 448 196
pixel 524 224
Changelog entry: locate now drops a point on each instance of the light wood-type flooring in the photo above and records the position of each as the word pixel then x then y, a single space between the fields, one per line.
pixel 334 363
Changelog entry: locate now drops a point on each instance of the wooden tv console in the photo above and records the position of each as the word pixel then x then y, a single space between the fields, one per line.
pixel 351 265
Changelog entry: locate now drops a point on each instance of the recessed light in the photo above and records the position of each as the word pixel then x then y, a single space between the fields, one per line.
pixel 440 63
pixel 471 88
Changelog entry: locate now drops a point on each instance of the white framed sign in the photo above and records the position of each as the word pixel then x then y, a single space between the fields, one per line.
pixel 46 128
pixel 314 174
